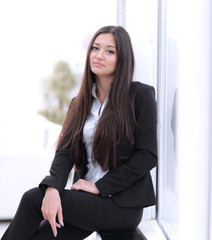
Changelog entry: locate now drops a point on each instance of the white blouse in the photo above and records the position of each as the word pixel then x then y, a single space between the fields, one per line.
pixel 94 171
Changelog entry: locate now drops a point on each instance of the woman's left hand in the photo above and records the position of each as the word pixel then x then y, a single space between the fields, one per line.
pixel 85 186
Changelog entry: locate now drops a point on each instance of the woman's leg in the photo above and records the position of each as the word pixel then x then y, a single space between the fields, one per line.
pixel 28 222
pixel 28 216
pixel 95 213
pixel 83 213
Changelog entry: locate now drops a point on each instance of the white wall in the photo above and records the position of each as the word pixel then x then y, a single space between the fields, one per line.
pixel 141 24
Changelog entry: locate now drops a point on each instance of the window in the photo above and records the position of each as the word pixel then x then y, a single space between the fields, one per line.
pixel 167 110
pixel 184 94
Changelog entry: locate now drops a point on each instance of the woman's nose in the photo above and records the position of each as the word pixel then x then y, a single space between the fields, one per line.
pixel 100 54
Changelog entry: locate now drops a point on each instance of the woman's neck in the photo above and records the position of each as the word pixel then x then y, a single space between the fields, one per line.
pixel 102 89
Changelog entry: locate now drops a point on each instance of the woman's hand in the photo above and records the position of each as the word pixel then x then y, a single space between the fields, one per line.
pixel 51 207
pixel 85 186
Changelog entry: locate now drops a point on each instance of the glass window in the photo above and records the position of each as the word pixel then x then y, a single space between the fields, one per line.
pixel 167 116
pixel 184 100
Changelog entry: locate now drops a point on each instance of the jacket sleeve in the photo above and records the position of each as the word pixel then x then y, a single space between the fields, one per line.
pixel 59 171
pixel 144 157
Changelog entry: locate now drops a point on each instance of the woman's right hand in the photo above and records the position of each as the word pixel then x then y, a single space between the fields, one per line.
pixel 51 207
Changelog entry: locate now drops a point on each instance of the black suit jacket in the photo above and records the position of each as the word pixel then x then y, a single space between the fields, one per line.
pixel 129 184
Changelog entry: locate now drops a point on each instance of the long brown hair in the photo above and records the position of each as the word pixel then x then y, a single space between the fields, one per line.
pixel 114 126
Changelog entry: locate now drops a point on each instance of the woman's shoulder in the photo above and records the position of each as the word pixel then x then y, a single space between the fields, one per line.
pixel 138 87
pixel 143 95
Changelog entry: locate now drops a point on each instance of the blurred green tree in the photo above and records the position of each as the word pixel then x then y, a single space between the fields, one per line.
pixel 57 88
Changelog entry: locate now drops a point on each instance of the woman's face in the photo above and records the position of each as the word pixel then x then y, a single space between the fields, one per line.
pixel 103 56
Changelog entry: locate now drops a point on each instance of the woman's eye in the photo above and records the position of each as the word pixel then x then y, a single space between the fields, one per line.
pixel 94 48
pixel 110 51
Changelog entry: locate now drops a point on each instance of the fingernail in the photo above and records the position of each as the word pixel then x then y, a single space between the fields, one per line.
pixel 55 234
pixel 59 226
pixel 62 223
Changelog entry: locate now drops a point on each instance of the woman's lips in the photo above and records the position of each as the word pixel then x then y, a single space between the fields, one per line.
pixel 97 64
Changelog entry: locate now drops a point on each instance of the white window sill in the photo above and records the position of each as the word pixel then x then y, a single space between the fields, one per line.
pixel 151 230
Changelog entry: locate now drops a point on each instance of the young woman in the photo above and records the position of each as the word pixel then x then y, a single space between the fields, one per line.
pixel 109 137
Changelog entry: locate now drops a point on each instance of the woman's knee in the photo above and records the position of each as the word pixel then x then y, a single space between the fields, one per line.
pixel 32 196
pixel 134 218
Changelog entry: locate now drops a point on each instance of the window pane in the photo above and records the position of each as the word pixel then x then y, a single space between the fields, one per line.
pixel 167 100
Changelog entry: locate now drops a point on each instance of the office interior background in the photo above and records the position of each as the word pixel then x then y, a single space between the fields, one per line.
pixel 172 43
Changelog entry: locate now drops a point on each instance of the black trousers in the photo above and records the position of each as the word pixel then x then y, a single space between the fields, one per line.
pixel 83 213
